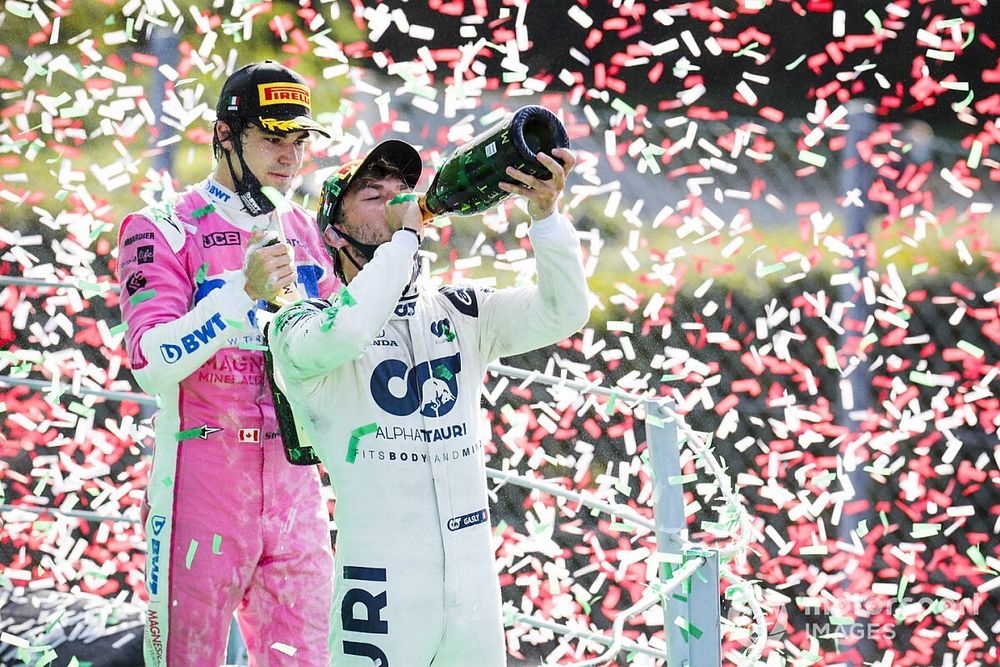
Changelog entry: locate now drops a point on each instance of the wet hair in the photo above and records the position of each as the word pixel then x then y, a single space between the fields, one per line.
pixel 377 170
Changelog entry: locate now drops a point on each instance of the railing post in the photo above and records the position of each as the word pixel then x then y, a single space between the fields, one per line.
pixel 691 615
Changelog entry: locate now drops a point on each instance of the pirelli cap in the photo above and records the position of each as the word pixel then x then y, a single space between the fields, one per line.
pixel 397 153
pixel 269 95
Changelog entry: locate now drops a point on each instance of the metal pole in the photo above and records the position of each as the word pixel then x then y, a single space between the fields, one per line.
pixel 691 618
pixel 163 44
pixel 857 175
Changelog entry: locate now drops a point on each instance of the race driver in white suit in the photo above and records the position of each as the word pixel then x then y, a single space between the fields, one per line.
pixel 385 379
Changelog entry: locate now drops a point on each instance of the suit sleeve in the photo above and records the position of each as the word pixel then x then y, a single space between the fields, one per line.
pixel 168 335
pixel 516 320
pixel 311 338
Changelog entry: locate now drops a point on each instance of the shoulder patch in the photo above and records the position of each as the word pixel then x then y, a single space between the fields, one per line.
pixel 463 298
pixel 164 217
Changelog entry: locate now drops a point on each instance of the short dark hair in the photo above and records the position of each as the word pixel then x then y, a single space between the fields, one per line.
pixel 236 129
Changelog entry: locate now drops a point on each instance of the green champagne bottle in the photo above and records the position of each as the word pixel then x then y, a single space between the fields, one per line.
pixel 468 180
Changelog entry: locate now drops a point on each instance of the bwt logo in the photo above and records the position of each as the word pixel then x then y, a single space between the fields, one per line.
pixel 430 387
pixel 191 342
pixel 220 238
pixel 154 566
pixel 466 520
pixel 218 193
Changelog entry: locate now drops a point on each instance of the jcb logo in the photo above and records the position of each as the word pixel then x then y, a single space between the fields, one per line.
pixel 220 238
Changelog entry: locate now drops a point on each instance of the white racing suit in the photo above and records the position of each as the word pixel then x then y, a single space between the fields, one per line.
pixel 388 391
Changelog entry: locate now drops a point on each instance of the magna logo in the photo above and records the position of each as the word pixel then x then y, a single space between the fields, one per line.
pixel 430 387
pixel 191 342
pixel 466 520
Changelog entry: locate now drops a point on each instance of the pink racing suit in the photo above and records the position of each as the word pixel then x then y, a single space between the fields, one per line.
pixel 231 524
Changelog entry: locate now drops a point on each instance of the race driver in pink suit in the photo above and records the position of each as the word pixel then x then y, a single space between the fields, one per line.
pixel 230 524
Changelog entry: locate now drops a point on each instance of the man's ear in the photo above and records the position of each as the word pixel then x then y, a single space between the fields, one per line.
pixel 224 134
pixel 333 239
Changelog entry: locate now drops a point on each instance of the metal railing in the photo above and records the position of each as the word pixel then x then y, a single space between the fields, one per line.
pixel 692 621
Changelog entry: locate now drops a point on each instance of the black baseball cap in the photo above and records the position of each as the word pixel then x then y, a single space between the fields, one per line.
pixel 400 154
pixel 269 95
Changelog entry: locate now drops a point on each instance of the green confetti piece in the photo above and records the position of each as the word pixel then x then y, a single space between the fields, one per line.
pixel 203 211
pixel 356 435
pixel 609 407
pixel 80 409
pixel 976 557
pixel 746 50
pixel 922 530
pixel 52 623
pixel 404 196
pixel 968 347
pixel 119 329
pixel 972 36
pixel 919 268
pixel 19 10
pixel 903 582
pixel 192 549
pixel 493 116
pixel 621 107
pixel 252 346
pixel 682 479
pixel 443 373
pixel 216 544
pixel 773 268
pixel 144 295
pixel 815 159
pixel 41 484
pixel 202 273
pixel 975 154
pixel 502 526
pixel 958 106
pixel 862 528
pixel 687 628
pixel 235 324
pixel 346 298
pixel 62 194
pixel 873 18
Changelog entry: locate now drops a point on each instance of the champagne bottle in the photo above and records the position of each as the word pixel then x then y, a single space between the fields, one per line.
pixel 468 181
pixel 296 446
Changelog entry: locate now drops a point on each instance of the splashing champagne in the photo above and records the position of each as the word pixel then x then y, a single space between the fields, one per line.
pixel 468 182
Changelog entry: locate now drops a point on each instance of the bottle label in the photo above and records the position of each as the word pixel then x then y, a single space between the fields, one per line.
pixel 491 149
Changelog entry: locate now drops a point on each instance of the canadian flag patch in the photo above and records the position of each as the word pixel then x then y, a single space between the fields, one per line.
pixel 249 435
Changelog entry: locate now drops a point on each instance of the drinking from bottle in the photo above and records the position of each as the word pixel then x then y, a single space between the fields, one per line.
pixel 468 181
